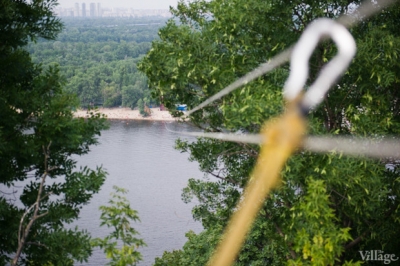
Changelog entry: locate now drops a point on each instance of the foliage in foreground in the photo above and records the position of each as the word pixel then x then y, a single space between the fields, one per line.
pixel 329 206
pixel 41 189
pixel 118 215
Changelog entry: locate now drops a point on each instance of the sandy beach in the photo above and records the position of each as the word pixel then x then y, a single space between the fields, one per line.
pixel 129 114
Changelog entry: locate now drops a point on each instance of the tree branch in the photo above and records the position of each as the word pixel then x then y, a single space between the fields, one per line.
pixel 360 237
pixel 357 240
pixel 24 232
pixel 224 178
pixel 36 244
pixel 280 232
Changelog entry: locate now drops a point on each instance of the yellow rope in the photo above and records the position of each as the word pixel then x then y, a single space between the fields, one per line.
pixel 283 138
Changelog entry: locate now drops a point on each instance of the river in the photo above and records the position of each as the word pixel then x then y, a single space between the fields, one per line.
pixel 139 156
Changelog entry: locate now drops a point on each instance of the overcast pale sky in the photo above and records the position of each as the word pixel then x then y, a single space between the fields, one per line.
pixel 136 4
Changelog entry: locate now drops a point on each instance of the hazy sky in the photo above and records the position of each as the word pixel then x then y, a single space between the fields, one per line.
pixel 136 4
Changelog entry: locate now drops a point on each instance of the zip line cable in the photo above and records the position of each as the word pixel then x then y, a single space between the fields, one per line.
pixel 385 148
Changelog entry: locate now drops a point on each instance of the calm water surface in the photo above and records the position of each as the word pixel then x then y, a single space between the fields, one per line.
pixel 139 156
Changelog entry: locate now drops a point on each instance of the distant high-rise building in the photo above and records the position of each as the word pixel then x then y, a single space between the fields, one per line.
pixel 83 10
pixel 92 9
pixel 99 13
pixel 76 11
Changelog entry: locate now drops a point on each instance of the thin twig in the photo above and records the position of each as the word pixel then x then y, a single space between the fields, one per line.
pixel 37 244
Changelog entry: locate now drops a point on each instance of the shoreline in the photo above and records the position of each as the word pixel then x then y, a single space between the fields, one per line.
pixel 123 113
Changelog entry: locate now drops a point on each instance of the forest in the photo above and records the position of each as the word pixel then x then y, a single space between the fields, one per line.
pixel 98 58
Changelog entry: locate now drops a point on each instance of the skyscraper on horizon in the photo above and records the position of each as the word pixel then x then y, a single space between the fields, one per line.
pixel 92 10
pixel 76 11
pixel 83 10
pixel 99 13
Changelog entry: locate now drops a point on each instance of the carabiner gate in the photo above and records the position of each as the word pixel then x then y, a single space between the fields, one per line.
pixel 329 74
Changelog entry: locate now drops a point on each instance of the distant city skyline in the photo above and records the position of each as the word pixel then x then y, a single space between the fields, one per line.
pixel 136 4
pixel 96 10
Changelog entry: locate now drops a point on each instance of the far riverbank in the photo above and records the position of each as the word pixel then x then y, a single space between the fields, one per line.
pixel 129 114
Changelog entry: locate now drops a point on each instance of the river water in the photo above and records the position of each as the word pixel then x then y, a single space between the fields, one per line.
pixel 139 156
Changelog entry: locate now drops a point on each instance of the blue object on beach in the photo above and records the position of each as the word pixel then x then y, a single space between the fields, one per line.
pixel 181 107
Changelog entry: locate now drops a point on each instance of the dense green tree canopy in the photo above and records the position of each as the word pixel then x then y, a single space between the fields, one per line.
pixel 98 58
pixel 41 188
pixel 329 206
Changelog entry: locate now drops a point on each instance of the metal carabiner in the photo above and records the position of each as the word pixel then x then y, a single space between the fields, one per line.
pixel 334 69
